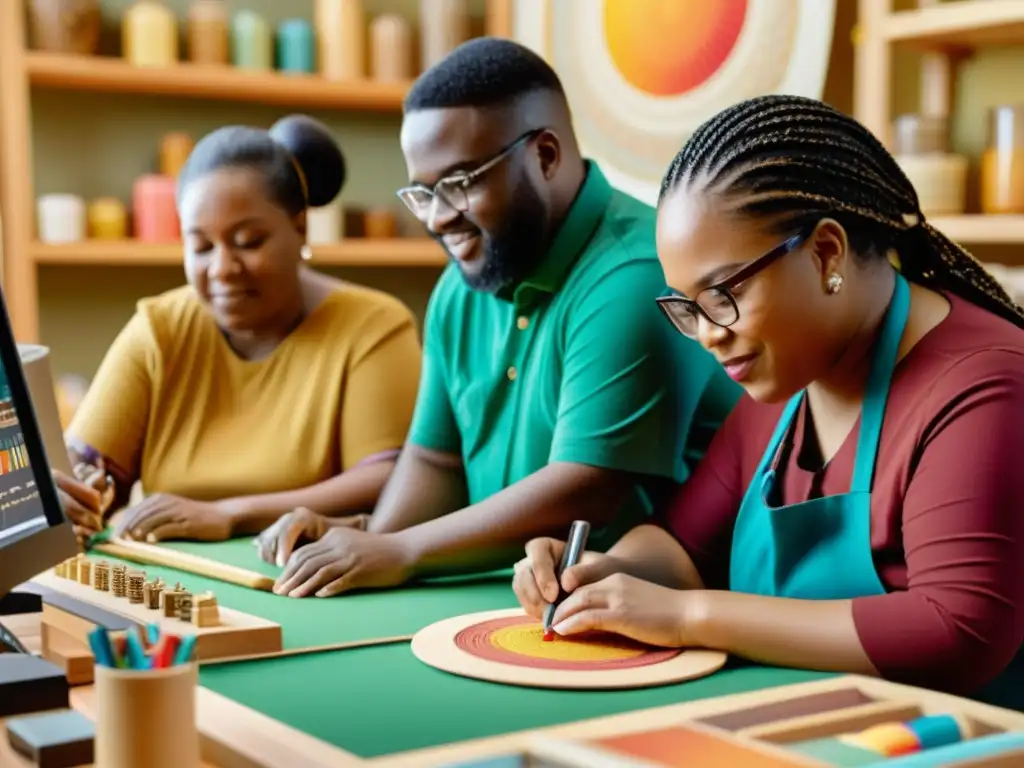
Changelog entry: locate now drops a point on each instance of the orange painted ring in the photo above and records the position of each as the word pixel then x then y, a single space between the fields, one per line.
pixel 518 640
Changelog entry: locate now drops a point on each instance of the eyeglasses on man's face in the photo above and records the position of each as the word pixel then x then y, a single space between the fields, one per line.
pixel 716 302
pixel 454 189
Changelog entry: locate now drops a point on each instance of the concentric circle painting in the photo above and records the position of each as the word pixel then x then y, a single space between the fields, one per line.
pixel 509 647
pixel 643 74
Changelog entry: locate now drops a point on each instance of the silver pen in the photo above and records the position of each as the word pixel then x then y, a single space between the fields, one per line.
pixel 574 548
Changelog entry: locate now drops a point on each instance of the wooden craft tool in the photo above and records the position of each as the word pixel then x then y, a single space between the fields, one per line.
pixel 344 646
pixel 150 554
pixel 76 609
pixel 574 547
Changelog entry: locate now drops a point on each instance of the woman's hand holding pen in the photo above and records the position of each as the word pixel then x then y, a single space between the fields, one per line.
pixel 602 597
pixel 535 581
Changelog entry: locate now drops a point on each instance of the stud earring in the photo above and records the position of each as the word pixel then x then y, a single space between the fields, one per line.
pixel 835 283
pixel 306 252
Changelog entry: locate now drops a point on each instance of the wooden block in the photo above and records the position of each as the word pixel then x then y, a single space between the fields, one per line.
pixel 62 650
pixel 205 611
pixel 85 572
pixel 236 634
pixel 30 684
pixel 54 739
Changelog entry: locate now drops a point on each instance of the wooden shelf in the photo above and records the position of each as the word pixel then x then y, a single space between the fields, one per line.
pixel 112 75
pixel 981 230
pixel 402 252
pixel 958 25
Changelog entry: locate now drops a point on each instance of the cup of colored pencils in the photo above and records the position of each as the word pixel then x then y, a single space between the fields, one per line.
pixel 145 683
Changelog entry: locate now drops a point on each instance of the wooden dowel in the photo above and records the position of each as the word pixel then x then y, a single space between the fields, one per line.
pixel 138 552
pixel 311 649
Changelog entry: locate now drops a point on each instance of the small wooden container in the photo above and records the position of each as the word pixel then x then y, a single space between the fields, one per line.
pixel 108 219
pixel 155 209
pixel 146 717
pixel 65 26
pixel 296 46
pixel 150 35
pixel 174 151
pixel 390 48
pixel 208 38
pixel 381 224
pixel 252 42
pixel 444 26
pixel 341 39
pixel 61 218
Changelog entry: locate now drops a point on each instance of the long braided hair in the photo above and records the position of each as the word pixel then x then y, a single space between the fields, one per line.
pixel 798 160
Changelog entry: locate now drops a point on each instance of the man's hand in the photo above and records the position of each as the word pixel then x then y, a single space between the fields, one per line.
pixel 300 526
pixel 344 559
pixel 165 516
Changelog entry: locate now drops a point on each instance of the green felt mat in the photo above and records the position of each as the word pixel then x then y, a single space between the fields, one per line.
pixel 380 700
pixel 346 618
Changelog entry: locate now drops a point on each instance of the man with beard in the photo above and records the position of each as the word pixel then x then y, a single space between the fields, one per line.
pixel 552 387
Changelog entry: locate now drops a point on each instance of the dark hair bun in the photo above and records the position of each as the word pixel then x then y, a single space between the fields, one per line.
pixel 317 153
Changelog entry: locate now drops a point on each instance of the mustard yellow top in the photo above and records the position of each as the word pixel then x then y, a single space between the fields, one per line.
pixel 173 405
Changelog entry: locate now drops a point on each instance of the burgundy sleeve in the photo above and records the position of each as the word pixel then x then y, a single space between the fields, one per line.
pixel 702 513
pixel 961 619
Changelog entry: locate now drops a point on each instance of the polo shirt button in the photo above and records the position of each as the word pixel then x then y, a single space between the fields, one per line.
pixel 523 323
pixel 511 373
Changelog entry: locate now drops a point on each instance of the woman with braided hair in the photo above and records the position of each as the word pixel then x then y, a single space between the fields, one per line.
pixel 858 511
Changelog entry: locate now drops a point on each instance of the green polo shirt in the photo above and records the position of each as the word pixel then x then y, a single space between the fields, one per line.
pixel 577 364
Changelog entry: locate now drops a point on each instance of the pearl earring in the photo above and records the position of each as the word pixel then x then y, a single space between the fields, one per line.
pixel 306 252
pixel 835 283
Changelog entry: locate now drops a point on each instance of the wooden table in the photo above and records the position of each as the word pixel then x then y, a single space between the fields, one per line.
pixel 259 742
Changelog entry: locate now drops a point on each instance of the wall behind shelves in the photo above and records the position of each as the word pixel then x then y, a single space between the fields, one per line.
pixel 97 144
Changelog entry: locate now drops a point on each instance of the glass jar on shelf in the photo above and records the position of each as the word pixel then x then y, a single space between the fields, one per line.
pixel 1002 163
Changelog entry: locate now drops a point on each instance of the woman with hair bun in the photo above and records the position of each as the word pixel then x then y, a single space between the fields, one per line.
pixel 262 385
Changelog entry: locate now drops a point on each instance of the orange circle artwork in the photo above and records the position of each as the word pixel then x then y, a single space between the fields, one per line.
pixel 519 641
pixel 669 47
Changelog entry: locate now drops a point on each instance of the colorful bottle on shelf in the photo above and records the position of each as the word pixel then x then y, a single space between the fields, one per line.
pixel 60 218
pixel 155 209
pixel 252 42
pixel 174 151
pixel 108 219
pixel 341 39
pixel 208 39
pixel 390 48
pixel 150 35
pixel 296 46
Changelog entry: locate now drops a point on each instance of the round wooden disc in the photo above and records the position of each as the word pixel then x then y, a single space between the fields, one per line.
pixel 437 646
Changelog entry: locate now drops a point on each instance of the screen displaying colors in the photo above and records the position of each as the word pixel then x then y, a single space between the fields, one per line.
pixel 21 509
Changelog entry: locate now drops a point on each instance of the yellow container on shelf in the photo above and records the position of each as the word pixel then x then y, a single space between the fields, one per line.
pixel 149 35
pixel 1002 163
pixel 108 219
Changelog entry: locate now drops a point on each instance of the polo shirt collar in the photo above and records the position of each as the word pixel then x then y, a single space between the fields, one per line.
pixel 584 216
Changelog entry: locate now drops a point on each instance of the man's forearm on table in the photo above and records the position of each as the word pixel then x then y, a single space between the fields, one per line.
pixel 492 533
pixel 350 493
pixel 425 485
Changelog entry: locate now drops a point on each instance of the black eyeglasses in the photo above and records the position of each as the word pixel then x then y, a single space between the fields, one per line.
pixel 716 302
pixel 454 189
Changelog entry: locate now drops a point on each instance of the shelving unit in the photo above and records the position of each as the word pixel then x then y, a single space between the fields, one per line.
pixel 22 70
pixel 401 252
pixel 944 32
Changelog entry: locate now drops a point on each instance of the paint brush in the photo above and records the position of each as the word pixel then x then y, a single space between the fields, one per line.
pixel 574 548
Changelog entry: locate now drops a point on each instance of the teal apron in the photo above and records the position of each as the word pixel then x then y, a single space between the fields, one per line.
pixel 821 549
